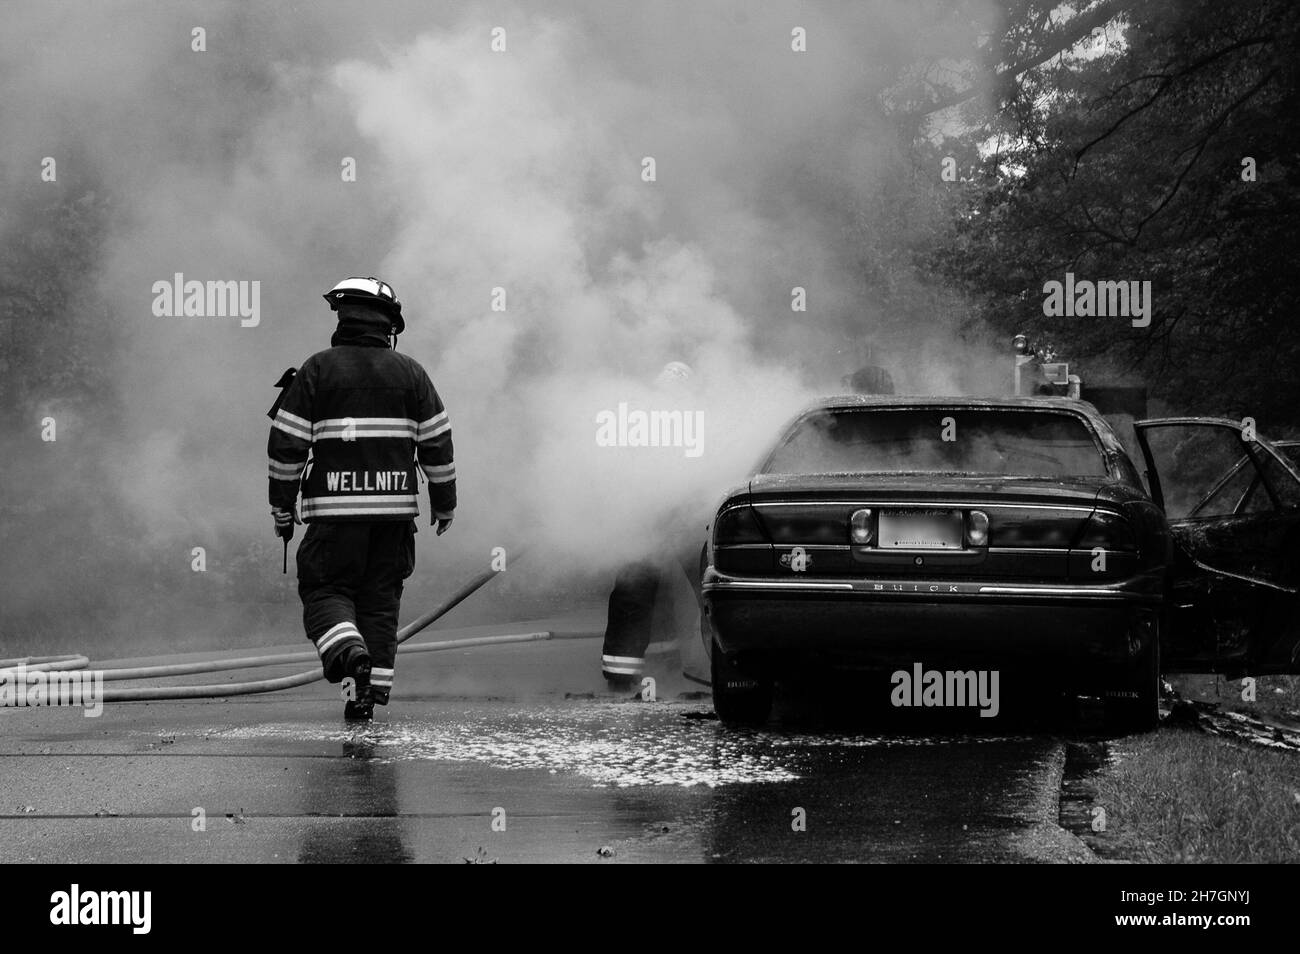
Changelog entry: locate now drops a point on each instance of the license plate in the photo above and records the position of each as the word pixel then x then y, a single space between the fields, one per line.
pixel 920 530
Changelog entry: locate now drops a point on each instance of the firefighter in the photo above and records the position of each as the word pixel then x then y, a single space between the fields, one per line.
pixel 350 427
pixel 640 584
pixel 869 378
pixel 638 588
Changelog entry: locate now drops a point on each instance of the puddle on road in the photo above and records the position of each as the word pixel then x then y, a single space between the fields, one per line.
pixel 614 744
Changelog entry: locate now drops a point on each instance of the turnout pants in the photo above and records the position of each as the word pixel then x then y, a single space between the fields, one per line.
pixel 350 579
pixel 637 589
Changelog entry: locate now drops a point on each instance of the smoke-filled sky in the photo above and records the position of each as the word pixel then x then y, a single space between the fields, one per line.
pixel 476 169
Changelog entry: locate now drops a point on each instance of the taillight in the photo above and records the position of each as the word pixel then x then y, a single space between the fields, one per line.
pixel 1030 527
pixel 1109 531
pixel 1107 549
pixel 861 528
pixel 802 524
pixel 737 525
pixel 977 528
pixel 740 546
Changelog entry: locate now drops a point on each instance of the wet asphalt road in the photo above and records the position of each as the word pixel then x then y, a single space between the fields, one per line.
pixel 525 737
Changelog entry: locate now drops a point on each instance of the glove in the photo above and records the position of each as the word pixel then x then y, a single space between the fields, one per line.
pixel 284 521
pixel 442 523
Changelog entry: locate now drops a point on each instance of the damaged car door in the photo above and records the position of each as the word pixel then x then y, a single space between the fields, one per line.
pixel 1233 505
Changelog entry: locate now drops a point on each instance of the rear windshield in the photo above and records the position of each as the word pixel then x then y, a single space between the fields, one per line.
pixel 939 440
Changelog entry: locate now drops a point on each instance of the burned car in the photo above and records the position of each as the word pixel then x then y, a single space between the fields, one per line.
pixel 1014 533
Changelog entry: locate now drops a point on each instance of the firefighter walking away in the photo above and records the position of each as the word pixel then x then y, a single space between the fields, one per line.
pixel 349 428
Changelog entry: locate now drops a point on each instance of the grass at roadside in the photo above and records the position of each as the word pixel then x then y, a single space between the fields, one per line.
pixel 1178 795
pixel 1277 698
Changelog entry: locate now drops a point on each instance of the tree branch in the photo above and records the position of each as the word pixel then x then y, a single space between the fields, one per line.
pixel 1065 37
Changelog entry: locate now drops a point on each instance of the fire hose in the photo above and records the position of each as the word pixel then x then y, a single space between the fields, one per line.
pixel 213 691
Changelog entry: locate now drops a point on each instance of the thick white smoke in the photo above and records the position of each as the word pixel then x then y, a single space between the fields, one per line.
pixel 476 170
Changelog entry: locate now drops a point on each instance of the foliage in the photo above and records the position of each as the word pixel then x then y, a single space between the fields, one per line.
pixel 1127 164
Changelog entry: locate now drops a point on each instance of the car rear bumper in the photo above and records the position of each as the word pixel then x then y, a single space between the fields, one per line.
pixel 891 621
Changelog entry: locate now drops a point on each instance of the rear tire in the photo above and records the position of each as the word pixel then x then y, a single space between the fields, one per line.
pixel 738 698
pixel 1139 712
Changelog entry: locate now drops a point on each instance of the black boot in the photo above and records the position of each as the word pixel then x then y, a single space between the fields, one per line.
pixel 619 682
pixel 362 707
pixel 358 712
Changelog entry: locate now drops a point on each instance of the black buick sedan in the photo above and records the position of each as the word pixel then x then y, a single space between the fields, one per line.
pixel 1008 534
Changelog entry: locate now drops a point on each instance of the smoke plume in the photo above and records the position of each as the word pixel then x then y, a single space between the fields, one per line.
pixel 477 170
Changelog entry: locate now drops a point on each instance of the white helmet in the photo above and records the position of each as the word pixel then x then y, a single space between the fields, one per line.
pixel 674 373
pixel 370 291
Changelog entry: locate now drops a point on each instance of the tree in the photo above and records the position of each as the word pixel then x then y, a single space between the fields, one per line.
pixel 1133 163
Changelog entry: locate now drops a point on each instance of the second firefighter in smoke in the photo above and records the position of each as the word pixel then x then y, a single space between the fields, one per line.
pixel 644 584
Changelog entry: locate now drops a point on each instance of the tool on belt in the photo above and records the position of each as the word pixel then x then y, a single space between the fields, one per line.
pixel 284 521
